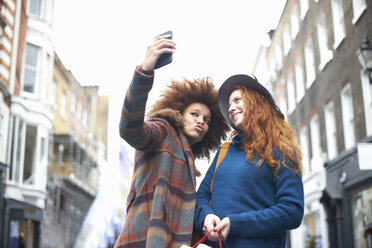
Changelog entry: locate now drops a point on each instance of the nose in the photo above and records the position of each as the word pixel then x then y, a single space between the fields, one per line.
pixel 200 120
pixel 231 109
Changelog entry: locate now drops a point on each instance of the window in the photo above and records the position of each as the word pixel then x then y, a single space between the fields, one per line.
pixel 358 7
pixel 294 21
pixel 348 116
pixel 29 160
pixel 282 103
pixel 316 151
pixel 367 100
pixel 85 116
pixel 278 56
pixel 31 68
pixel 73 102
pixel 62 107
pixel 304 142
pixel 312 229
pixel 309 62
pixel 291 94
pixel 29 148
pixel 286 40
pixel 79 110
pixel 53 92
pixel 304 6
pixel 300 87
pixel 35 7
pixel 362 216
pixel 338 22
pixel 324 52
pixel 330 120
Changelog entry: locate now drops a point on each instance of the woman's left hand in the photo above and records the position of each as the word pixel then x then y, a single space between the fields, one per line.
pixel 224 227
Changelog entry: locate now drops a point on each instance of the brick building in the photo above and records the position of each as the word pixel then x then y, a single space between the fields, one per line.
pixel 326 95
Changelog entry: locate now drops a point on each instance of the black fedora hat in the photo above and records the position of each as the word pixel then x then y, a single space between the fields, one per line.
pixel 249 82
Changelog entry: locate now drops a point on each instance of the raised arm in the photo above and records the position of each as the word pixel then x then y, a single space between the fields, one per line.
pixel 140 134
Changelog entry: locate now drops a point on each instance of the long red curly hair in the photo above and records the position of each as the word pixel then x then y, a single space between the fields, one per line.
pixel 263 130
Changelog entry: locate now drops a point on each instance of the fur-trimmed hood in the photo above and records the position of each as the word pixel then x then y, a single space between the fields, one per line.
pixel 172 116
pixel 175 118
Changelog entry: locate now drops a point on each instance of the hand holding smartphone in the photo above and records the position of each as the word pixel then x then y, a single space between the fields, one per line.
pixel 165 58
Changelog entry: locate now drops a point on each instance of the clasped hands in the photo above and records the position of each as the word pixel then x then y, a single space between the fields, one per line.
pixel 212 221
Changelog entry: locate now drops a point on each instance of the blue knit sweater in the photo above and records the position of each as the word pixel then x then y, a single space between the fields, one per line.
pixel 261 207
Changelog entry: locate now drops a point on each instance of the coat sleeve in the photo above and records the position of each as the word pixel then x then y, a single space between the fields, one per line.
pixel 203 196
pixel 286 214
pixel 140 134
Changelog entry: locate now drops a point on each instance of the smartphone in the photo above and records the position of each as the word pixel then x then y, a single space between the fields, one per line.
pixel 165 58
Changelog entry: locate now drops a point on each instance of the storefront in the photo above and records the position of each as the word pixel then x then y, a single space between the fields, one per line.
pixel 347 198
pixel 22 225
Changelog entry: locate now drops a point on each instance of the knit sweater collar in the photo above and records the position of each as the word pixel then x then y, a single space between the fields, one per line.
pixel 238 139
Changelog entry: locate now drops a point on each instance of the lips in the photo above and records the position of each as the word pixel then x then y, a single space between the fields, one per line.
pixel 236 116
pixel 199 128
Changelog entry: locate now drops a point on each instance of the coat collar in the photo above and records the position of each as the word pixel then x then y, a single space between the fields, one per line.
pixel 175 118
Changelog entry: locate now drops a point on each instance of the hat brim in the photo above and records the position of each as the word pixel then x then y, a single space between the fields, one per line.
pixel 247 81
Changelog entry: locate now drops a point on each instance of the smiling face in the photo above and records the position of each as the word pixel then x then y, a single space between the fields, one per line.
pixel 196 117
pixel 236 109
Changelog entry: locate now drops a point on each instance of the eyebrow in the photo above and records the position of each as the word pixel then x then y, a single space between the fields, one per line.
pixel 232 101
pixel 198 110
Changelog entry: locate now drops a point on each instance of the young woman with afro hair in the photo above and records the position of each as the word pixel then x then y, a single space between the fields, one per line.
pixel 184 123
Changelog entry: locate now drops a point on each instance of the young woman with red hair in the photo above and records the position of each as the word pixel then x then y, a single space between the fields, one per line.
pixel 257 191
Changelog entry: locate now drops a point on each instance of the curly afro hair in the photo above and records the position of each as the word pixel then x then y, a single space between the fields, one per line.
pixel 180 94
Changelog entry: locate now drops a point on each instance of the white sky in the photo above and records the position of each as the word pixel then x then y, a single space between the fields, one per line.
pixel 101 42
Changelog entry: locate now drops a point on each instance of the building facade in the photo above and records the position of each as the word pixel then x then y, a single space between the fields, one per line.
pixel 30 121
pixel 326 95
pixel 6 37
pixel 53 133
pixel 78 150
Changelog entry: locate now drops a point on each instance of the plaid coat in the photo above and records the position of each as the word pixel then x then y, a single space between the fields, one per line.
pixel 161 201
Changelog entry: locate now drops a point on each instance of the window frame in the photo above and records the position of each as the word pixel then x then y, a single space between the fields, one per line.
pixel 287 41
pixel 331 130
pixel 41 9
pixel 309 62
pixel 294 20
pixel 325 53
pixel 304 142
pixel 367 101
pixel 358 10
pixel 17 153
pixel 63 104
pixel 291 93
pixel 304 8
pixel 348 116
pixel 316 148
pixel 299 74
pixel 338 19
pixel 35 69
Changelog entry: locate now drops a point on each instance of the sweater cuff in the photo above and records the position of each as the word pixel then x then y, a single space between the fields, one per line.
pixel 144 72
pixel 235 229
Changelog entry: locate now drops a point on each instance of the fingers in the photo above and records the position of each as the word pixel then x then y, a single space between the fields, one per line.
pixel 224 227
pixel 159 46
pixel 213 236
pixel 210 221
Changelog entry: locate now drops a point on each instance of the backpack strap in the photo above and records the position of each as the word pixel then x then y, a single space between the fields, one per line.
pixel 225 146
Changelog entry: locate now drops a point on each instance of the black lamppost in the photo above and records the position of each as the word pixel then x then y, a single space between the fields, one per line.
pixel 364 54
